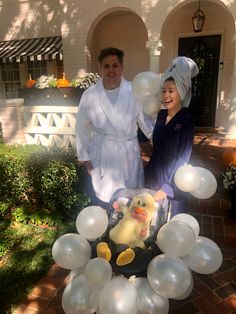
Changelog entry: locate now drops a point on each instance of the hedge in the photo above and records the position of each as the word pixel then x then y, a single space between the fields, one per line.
pixel 36 178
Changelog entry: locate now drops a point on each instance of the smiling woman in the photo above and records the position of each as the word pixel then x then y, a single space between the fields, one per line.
pixel 173 134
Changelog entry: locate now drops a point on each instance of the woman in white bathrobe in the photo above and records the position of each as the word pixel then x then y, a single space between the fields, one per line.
pixel 106 129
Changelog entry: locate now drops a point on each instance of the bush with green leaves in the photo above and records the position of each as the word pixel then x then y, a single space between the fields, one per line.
pixel 39 178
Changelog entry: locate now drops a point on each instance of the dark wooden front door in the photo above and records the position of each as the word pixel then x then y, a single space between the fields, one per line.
pixel 205 51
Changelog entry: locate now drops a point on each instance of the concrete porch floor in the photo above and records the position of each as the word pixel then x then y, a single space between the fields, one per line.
pixel 212 294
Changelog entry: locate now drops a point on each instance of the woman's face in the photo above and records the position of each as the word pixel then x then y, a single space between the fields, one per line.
pixel 170 95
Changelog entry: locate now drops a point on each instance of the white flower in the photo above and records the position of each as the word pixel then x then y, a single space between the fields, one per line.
pixel 229 178
pixel 85 80
pixel 45 81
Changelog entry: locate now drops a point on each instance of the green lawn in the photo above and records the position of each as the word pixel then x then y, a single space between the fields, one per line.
pixel 25 257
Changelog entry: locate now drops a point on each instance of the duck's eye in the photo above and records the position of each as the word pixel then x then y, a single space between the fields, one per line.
pixel 144 204
pixel 139 202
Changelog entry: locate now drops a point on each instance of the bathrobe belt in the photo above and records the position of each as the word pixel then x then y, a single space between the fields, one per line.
pixel 115 144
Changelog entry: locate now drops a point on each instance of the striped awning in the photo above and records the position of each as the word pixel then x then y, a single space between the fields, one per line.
pixel 47 48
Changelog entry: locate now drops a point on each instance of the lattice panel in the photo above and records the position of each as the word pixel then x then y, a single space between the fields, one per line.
pixel 50 126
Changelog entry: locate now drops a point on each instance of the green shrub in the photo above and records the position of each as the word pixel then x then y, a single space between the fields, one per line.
pixel 39 179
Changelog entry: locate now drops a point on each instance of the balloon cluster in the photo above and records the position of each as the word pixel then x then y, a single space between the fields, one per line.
pixel 200 182
pixel 95 289
pixel 146 87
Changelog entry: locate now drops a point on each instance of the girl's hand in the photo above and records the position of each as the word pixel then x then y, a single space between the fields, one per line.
pixel 160 195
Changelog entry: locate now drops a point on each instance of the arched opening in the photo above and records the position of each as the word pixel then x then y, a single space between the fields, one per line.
pixel 213 84
pixel 124 30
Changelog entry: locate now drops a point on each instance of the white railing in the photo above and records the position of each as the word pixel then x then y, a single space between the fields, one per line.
pixel 50 125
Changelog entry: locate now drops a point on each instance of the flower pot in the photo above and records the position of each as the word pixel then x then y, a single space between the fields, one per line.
pixel 65 96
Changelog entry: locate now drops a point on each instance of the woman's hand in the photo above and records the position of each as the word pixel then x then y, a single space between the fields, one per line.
pixel 160 195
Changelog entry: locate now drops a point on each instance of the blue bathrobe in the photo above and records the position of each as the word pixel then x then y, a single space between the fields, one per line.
pixel 172 146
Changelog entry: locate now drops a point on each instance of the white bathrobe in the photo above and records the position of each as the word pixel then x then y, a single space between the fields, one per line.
pixel 106 134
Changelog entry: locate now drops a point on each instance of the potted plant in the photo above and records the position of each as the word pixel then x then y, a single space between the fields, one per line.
pixel 229 184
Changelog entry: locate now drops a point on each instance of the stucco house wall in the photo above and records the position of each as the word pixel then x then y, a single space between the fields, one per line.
pixel 87 25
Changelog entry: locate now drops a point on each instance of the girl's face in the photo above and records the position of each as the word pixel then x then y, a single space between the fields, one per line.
pixel 170 95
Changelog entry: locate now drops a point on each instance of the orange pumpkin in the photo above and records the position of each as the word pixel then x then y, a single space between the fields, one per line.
pixel 63 82
pixel 229 156
pixel 30 83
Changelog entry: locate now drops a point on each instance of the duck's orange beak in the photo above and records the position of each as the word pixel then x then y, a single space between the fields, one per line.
pixel 139 210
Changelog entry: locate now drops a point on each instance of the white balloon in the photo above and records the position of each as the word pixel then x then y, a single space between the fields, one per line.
pixel 205 256
pixel 187 178
pixel 79 297
pixel 190 220
pixel 176 238
pixel 168 276
pixel 149 301
pixel 71 251
pixel 119 296
pixel 188 292
pixel 92 222
pixel 208 184
pixel 151 105
pixel 146 84
pixel 98 271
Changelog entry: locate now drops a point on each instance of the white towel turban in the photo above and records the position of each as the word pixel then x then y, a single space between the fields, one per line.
pixel 182 70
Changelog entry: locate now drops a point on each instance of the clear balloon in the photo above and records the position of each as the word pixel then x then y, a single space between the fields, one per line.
pixel 187 178
pixel 76 272
pixel 190 220
pixel 151 105
pixel 119 296
pixel 71 251
pixel 168 276
pixel 149 301
pixel 79 297
pixel 146 84
pixel 188 292
pixel 176 238
pixel 208 184
pixel 98 271
pixel 205 256
pixel 92 222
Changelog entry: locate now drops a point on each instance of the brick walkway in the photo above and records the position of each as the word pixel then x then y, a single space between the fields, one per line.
pixel 212 294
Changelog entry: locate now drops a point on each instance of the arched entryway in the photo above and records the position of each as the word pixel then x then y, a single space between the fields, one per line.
pixel 212 49
pixel 125 30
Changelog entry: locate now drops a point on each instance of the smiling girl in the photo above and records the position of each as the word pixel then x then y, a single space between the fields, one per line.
pixel 173 134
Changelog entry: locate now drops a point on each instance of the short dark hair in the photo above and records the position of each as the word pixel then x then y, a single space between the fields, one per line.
pixel 109 51
pixel 170 79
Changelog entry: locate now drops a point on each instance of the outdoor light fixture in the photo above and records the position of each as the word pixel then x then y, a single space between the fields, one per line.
pixel 198 19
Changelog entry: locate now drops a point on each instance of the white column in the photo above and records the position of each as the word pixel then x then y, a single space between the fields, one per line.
pixel 154 47
pixel 231 125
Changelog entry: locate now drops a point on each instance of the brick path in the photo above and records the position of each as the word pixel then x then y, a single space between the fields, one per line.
pixel 212 294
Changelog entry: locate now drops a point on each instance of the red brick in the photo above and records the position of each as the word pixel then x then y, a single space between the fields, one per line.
pixel 206 230
pixel 227 306
pixel 43 292
pixel 207 293
pixel 35 303
pixel 207 219
pixel 51 282
pixel 23 310
pixel 219 230
pixel 204 306
pixel 226 277
pixel 218 220
pixel 218 211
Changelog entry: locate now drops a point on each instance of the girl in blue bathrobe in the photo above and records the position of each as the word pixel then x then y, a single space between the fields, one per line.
pixel 173 134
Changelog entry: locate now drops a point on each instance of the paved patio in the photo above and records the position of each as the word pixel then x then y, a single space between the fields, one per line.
pixel 212 294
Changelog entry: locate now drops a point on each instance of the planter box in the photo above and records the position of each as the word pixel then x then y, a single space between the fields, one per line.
pixel 64 96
